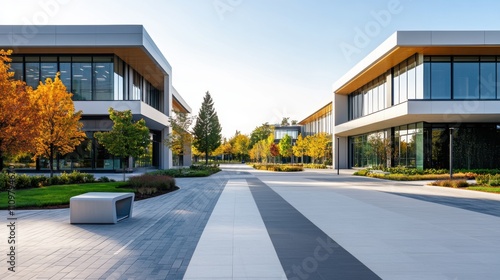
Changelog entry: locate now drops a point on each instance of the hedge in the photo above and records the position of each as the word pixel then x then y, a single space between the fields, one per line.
pixel 279 167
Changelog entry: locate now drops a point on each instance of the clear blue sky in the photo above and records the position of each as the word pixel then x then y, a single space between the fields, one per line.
pixel 261 59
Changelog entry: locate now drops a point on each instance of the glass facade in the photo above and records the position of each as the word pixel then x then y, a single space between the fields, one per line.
pixel 426 145
pixel 280 132
pixel 323 123
pixel 368 99
pixel 474 145
pixel 90 155
pixel 408 146
pixel 461 77
pixel 89 78
pixel 370 150
pixel 92 78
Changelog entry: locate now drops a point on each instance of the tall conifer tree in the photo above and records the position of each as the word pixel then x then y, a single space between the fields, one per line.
pixel 207 129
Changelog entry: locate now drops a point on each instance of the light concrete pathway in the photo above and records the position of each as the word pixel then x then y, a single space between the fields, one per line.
pixel 235 243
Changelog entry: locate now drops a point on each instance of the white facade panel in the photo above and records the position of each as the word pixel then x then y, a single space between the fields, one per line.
pixel 457 38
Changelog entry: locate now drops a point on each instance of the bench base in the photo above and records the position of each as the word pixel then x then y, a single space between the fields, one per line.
pixel 100 207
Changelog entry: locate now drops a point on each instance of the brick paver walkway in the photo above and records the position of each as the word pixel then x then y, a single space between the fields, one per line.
pixel 247 224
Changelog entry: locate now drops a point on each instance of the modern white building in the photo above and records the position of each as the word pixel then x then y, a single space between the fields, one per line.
pixel 103 66
pixel 398 105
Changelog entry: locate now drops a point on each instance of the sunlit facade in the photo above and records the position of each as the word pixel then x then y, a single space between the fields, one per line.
pixel 398 105
pixel 103 66
pixel 318 122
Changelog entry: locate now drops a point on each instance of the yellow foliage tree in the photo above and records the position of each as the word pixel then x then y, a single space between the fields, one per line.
pixel 18 116
pixel 300 147
pixel 318 144
pixel 59 125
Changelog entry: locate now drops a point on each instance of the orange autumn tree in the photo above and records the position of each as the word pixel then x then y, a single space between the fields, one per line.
pixel 60 129
pixel 18 115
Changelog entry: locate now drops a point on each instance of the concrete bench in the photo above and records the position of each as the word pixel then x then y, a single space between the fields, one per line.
pixel 100 207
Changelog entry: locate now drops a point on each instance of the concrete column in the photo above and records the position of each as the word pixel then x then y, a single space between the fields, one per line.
pixel 340 115
pixel 342 153
pixel 165 152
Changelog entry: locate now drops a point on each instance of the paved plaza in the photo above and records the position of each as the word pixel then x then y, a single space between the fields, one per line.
pixel 248 224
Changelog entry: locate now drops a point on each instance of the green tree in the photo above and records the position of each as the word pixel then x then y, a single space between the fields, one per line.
pixel 285 121
pixel 127 138
pixel 285 146
pixel 261 133
pixel 207 129
pixel 180 138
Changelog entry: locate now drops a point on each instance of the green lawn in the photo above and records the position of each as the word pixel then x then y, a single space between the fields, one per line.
pixel 485 189
pixel 58 195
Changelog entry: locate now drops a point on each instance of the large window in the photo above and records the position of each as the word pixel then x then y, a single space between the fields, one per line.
pixel 466 78
pixel 82 78
pixel 32 71
pixel 405 80
pixel 461 77
pixel 103 78
pixel 97 77
pixel 17 66
pixel 368 99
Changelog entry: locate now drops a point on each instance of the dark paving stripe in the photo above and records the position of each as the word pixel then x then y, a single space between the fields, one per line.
pixel 304 250
pixel 484 206
pixel 172 240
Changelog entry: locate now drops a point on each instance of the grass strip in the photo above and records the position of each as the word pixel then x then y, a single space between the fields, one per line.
pixel 58 195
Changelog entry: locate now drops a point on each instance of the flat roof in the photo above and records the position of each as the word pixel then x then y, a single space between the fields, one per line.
pixel 402 44
pixel 130 42
pixel 318 114
pixel 179 103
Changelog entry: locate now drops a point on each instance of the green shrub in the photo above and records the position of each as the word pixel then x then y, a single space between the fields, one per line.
pixel 494 183
pixel 361 172
pixel 278 167
pixel 105 179
pixel 451 183
pixel 39 181
pixel 193 171
pixel 160 182
pixel 315 166
pixel 483 179
pixel 23 181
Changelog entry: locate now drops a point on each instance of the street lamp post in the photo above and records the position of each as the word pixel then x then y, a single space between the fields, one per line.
pixel 338 156
pixel 451 153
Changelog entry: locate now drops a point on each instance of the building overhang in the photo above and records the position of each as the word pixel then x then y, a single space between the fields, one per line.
pixel 154 119
pixel 403 44
pixel 129 42
pixel 431 111
pixel 318 114
pixel 179 104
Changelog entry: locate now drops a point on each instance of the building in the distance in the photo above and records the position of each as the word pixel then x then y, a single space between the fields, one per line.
pixel 103 66
pixel 399 105
pixel 318 122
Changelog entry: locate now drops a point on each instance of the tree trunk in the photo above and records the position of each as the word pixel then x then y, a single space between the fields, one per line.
pixel 123 162
pixel 1 161
pixel 51 160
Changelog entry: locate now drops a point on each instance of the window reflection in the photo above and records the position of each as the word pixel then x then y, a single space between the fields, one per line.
pixel 82 78
pixel 103 78
pixel 89 77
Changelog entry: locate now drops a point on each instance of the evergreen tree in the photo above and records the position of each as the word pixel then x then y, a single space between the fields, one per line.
pixel 207 129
